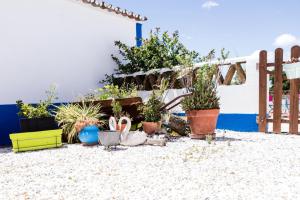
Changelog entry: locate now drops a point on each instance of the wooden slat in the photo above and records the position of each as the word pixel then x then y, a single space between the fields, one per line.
pixel 220 79
pixel 240 73
pixel 220 76
pixel 294 96
pixel 278 90
pixel 224 64
pixel 270 72
pixel 284 121
pixel 262 121
pixel 273 64
pixel 229 75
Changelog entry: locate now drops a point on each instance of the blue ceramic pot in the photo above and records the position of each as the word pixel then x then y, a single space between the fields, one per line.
pixel 89 135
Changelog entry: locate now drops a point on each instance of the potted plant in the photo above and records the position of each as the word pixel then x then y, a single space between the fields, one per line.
pixel 126 96
pixel 202 107
pixel 37 117
pixel 79 122
pixel 151 110
pixel 118 113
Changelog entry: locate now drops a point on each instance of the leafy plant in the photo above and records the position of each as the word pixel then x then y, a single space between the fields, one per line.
pixel 151 109
pixel 285 84
pixel 204 91
pixel 158 51
pixel 203 87
pixel 73 117
pixel 117 109
pixel 116 92
pixel 39 110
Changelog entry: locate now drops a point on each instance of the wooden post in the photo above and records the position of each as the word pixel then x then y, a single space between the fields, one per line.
pixel 294 96
pixel 278 91
pixel 262 120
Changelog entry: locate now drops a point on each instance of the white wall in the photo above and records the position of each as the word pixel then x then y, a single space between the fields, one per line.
pixel 242 99
pixel 62 42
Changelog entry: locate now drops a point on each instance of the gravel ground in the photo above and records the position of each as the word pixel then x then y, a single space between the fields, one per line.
pixel 237 166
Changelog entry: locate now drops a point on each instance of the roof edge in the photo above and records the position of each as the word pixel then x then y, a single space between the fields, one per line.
pixel 116 10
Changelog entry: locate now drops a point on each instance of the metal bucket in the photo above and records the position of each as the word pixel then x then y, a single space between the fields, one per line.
pixel 109 138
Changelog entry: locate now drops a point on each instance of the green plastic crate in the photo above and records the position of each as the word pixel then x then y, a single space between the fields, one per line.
pixel 36 140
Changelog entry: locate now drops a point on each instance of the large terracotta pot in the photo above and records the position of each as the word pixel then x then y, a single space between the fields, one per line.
pixel 151 127
pixel 202 122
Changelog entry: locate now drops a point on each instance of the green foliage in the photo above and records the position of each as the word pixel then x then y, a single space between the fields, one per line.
pixel 285 84
pixel 224 55
pixel 116 92
pixel 39 110
pixel 204 91
pixel 158 51
pixel 151 109
pixel 69 115
pixel 117 109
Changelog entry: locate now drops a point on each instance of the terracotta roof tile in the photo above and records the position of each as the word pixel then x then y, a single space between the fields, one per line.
pixel 116 10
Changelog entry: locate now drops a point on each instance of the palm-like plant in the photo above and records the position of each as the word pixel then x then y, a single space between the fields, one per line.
pixel 73 117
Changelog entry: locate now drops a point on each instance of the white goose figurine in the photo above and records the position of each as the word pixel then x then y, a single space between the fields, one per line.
pixel 128 138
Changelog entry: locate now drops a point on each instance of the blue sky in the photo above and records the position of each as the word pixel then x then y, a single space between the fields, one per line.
pixel 240 26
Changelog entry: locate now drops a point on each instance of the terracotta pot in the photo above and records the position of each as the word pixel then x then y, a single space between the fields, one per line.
pixel 151 127
pixel 202 123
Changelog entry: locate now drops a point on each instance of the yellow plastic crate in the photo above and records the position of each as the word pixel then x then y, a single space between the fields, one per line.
pixel 36 140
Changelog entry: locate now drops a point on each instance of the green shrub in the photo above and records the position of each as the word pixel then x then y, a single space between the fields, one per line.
pixel 39 110
pixel 158 51
pixel 116 92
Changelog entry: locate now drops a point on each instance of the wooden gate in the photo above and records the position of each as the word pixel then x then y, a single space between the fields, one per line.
pixel 293 116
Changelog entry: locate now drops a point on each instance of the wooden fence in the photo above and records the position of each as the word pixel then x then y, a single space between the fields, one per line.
pixel 277 120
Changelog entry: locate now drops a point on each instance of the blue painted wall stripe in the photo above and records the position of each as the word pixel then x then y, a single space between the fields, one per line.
pixel 9 123
pixel 139 34
pixel 236 122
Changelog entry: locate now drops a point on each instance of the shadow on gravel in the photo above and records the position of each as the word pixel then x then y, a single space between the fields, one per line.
pixel 113 149
pixel 229 139
pixel 4 150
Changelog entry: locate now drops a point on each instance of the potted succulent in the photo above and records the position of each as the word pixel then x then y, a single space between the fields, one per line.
pixel 37 117
pixel 202 107
pixel 79 122
pixel 151 110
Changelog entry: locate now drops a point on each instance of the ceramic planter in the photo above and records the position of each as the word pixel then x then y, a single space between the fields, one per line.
pixel 38 124
pixel 151 127
pixel 292 70
pixel 109 138
pixel 36 140
pixel 89 135
pixel 202 122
